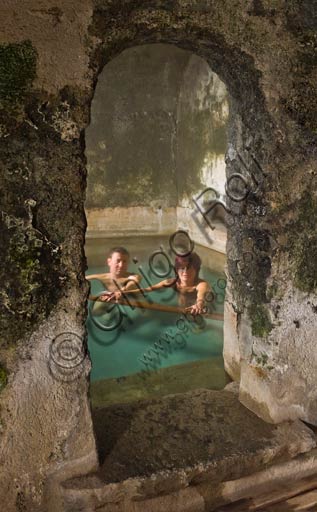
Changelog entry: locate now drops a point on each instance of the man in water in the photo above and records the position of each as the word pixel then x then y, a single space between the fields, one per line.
pixel 118 277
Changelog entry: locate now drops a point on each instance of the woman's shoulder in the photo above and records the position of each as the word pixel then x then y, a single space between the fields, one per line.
pixel 202 283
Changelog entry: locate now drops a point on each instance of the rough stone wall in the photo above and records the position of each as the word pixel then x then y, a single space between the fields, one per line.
pixel 51 53
pixel 45 87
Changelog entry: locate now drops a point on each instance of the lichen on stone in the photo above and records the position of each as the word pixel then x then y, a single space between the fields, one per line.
pixel 303 244
pixel 261 324
pixel 272 291
pixel 17 72
pixel 29 290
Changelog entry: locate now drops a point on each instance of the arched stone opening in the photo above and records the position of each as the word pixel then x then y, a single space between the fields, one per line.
pixel 157 139
pixel 264 55
pixel 250 136
pixel 254 247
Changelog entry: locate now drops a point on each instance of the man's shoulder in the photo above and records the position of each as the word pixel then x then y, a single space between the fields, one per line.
pixel 133 275
pixel 127 276
pixel 104 275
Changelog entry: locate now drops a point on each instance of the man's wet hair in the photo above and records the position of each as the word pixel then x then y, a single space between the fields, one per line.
pixel 120 250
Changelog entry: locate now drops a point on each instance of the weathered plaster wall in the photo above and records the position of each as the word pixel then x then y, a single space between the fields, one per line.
pixel 201 136
pixel 203 110
pixel 157 137
pixel 129 143
pixel 134 220
pixel 265 52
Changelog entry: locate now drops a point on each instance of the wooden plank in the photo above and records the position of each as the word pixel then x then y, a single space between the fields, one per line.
pixel 154 306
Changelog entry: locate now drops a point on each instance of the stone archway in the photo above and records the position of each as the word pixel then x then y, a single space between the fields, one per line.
pixel 265 57
pixel 255 250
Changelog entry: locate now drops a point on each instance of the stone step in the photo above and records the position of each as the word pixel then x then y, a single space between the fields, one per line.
pixel 290 492
pixel 181 445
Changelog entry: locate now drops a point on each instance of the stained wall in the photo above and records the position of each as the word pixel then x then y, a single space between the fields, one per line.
pixel 156 139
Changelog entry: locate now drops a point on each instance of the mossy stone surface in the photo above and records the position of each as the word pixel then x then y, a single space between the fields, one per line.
pixel 17 72
pixel 303 244
pixel 261 324
pixel 3 378
pixel 43 202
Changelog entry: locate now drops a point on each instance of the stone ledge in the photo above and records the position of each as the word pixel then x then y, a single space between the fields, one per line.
pixel 163 446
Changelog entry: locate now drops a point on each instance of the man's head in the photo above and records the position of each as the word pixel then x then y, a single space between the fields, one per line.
pixel 118 261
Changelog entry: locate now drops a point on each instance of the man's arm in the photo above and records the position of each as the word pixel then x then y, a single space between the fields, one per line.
pixel 95 276
pixel 131 282
pixel 133 290
pixel 157 286
pixel 103 279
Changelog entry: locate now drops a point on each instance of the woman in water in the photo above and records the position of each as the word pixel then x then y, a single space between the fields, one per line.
pixel 192 290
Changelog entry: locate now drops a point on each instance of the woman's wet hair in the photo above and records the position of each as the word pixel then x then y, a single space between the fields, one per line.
pixel 192 260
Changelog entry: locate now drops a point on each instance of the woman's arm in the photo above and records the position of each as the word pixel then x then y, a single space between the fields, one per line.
pixel 199 307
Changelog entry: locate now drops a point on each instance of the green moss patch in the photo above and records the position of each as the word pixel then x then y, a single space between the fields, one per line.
pixel 303 245
pixel 17 72
pixel 261 324
pixel 31 284
pixel 3 377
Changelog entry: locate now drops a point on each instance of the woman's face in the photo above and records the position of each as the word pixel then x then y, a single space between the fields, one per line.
pixel 187 275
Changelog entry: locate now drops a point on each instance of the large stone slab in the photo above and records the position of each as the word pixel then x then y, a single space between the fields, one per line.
pixel 164 445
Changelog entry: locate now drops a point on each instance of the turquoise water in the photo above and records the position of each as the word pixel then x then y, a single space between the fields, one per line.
pixel 148 340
